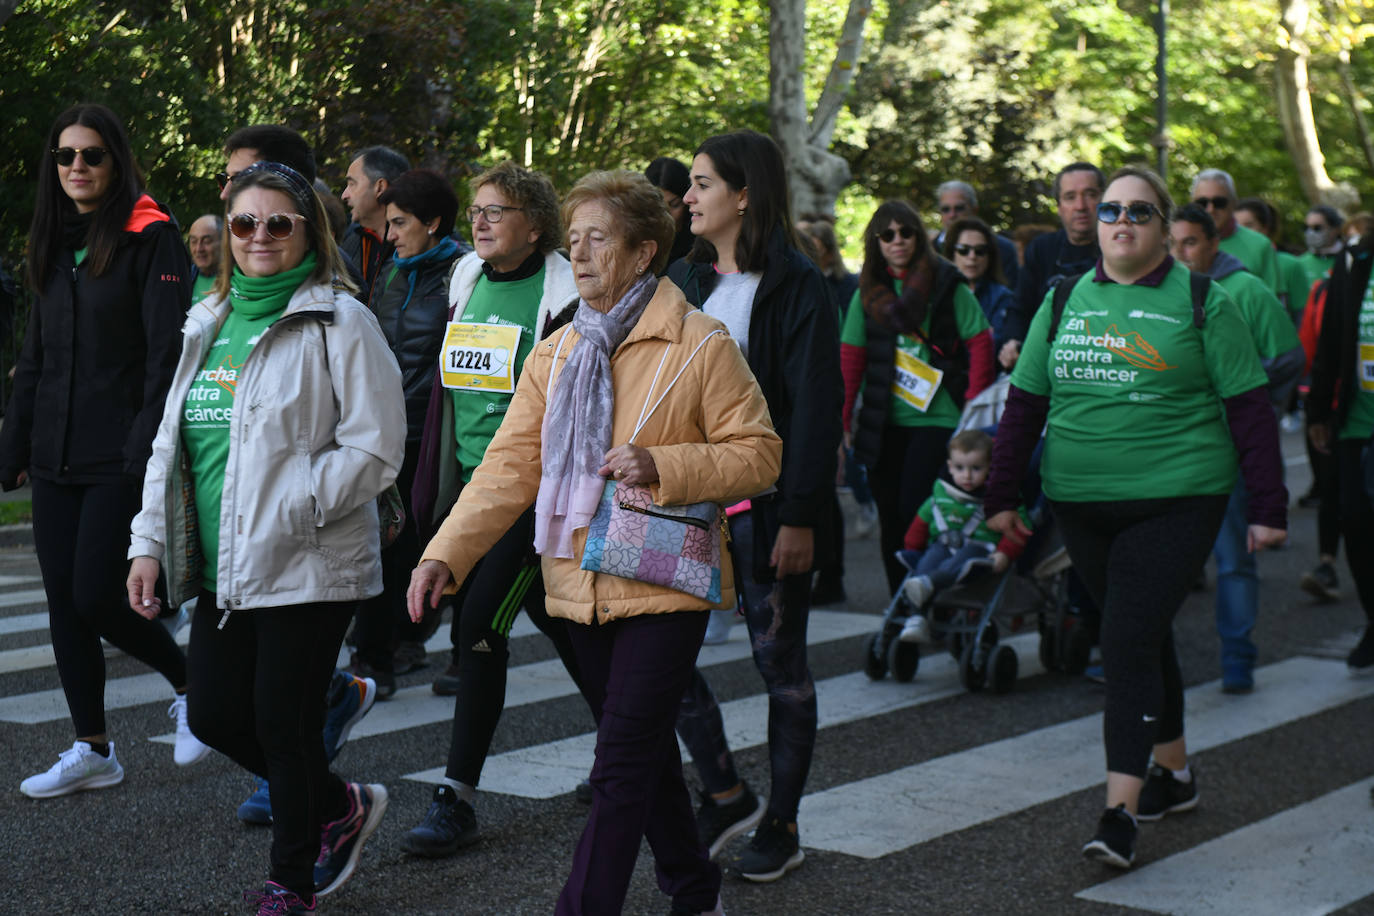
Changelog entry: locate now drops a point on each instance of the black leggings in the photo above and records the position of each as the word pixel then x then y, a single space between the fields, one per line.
pixel 484 611
pixel 384 619
pixel 1326 484
pixel 908 464
pixel 1139 559
pixel 81 536
pixel 1357 520
pixel 258 696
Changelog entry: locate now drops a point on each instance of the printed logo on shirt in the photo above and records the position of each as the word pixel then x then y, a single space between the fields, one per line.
pixel 1084 356
pixel 210 400
pixel 1153 316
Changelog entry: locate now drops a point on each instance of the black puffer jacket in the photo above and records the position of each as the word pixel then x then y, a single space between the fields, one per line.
pixel 1335 373
pixel 794 350
pixel 415 330
pixel 98 357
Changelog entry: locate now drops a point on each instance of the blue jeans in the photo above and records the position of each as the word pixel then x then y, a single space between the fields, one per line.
pixel 1237 593
pixel 776 614
pixel 856 476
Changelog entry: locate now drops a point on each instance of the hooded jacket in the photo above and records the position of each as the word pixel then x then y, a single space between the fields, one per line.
pixel 97 359
pixel 317 432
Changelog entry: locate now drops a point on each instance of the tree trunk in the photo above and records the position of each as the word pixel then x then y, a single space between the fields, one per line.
pixel 7 8
pixel 1295 110
pixel 816 176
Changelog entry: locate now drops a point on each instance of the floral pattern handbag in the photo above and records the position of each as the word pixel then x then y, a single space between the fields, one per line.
pixel 677 547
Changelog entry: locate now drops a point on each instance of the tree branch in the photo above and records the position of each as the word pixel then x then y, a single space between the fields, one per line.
pixel 841 75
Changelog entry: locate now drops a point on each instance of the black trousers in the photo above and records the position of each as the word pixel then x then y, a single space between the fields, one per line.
pixel 908 464
pixel 257 696
pixel 1357 520
pixel 81 536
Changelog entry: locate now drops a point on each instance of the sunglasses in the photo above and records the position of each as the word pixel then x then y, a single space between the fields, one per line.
pixel 1310 228
pixel 888 234
pixel 1137 214
pixel 953 208
pixel 280 226
pixel 1216 203
pixel 493 212
pixel 91 155
pixel 978 251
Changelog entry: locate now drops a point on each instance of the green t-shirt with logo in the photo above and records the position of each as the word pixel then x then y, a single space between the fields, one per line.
pixel 478 414
pixel 1269 325
pixel 205 419
pixel 1359 422
pixel 1135 390
pixel 1257 254
pixel 200 287
pixel 1315 266
pixel 942 411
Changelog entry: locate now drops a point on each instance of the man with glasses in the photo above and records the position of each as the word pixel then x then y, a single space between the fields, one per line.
pixel 957 200
pixel 365 241
pixel 1215 192
pixel 203 239
pixel 1054 256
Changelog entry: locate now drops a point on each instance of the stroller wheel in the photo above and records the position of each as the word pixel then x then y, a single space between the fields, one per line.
pixel 903 658
pixel 875 662
pixel 972 674
pixel 1004 665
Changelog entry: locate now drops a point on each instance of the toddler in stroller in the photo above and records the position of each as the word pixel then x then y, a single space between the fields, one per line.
pixel 950 529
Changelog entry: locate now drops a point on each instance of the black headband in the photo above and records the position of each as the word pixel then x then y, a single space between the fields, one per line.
pixel 300 188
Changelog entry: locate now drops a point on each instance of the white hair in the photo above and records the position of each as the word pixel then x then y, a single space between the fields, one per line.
pixel 1215 175
pixel 963 188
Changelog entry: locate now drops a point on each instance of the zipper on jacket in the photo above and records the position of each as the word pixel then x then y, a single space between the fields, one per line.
pixel 694 522
pixel 224 619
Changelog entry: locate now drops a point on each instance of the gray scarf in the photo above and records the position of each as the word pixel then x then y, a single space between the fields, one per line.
pixel 577 421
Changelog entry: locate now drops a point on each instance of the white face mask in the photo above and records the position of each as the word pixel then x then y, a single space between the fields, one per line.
pixel 1317 239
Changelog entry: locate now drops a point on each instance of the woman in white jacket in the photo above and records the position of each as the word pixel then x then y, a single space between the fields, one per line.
pixel 284 422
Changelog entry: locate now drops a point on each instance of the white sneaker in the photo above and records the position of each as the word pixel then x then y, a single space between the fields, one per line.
pixel 917 590
pixel 916 629
pixel 188 749
pixel 76 769
pixel 867 520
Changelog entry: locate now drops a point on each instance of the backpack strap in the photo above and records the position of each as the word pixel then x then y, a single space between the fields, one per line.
pixel 1199 284
pixel 1062 290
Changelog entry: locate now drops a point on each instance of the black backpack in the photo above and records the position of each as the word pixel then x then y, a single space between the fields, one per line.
pixel 1199 283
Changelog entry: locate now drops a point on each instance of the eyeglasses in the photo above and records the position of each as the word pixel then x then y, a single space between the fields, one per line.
pixel 1216 203
pixel 223 178
pixel 1137 214
pixel 888 234
pixel 280 226
pixel 493 212
pixel 91 155
pixel 1318 228
pixel 978 251
pixel 953 208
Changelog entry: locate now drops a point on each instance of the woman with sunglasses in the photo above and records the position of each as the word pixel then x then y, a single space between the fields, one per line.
pixel 972 246
pixel 112 283
pixel 917 343
pixel 1151 410
pixel 284 422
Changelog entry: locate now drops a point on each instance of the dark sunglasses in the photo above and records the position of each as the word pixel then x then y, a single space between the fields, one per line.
pixel 91 155
pixel 280 226
pixel 1311 228
pixel 1216 203
pixel 978 251
pixel 1137 214
pixel 953 208
pixel 222 179
pixel 888 234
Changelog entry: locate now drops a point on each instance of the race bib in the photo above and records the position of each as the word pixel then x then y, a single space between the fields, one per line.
pixel 479 357
pixel 1366 367
pixel 915 381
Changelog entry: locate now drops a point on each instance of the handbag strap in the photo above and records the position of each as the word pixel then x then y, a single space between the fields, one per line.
pixel 646 412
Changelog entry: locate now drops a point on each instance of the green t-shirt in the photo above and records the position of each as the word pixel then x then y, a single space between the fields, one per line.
pixel 1292 282
pixel 205 418
pixel 478 414
pixel 200 287
pixel 1135 390
pixel 1257 254
pixel 1315 266
pixel 942 411
pixel 956 508
pixel 1359 422
pixel 1269 325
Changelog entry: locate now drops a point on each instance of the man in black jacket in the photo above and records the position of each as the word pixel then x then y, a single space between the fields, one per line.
pixel 365 241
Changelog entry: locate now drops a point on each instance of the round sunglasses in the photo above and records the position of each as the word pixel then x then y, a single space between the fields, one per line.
pixel 91 155
pixel 978 251
pixel 888 234
pixel 1137 214
pixel 280 226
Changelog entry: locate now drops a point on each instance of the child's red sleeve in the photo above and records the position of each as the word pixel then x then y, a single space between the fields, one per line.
pixel 917 536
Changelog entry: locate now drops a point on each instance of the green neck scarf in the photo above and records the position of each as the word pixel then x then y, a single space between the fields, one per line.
pixel 258 297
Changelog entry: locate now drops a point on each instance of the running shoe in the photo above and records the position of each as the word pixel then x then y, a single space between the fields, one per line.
pixel 916 629
pixel 350 698
pixel 341 841
pixel 718 627
pixel 449 824
pixel 256 809
pixel 1360 662
pixel 1321 583
pixel 446 684
pixel 1163 794
pixel 1114 843
pixel 719 823
pixel 77 768
pixel 772 852
pixel 188 749
pixel 275 900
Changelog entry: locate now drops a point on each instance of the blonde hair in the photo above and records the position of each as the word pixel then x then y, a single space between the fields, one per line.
pixel 640 213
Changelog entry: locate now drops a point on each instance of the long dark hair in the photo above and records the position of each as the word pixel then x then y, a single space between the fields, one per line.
pixel 972 224
pixel 53 205
pixel 889 212
pixel 749 159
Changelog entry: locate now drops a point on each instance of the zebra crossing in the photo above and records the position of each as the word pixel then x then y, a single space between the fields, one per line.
pixel 1309 857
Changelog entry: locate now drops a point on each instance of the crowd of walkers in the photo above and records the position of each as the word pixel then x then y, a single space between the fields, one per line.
pixel 624 411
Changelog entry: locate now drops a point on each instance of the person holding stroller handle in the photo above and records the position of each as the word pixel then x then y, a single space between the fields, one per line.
pixel 1154 394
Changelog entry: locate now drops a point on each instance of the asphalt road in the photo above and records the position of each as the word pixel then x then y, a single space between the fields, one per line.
pixel 923 798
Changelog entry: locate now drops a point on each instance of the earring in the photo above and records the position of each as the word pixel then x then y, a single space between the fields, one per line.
pixel 639 270
pixel 431 232
pixel 740 211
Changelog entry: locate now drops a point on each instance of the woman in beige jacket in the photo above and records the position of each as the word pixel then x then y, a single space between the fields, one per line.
pixel 638 363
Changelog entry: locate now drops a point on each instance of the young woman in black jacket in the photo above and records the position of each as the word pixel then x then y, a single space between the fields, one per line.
pixel 745 269
pixel 112 283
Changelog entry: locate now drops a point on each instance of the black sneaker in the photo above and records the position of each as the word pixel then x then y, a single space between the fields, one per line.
pixel 341 841
pixel 1360 662
pixel 719 824
pixel 772 853
pixel 446 684
pixel 1114 843
pixel 1321 583
pixel 449 824
pixel 583 793
pixel 1164 794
